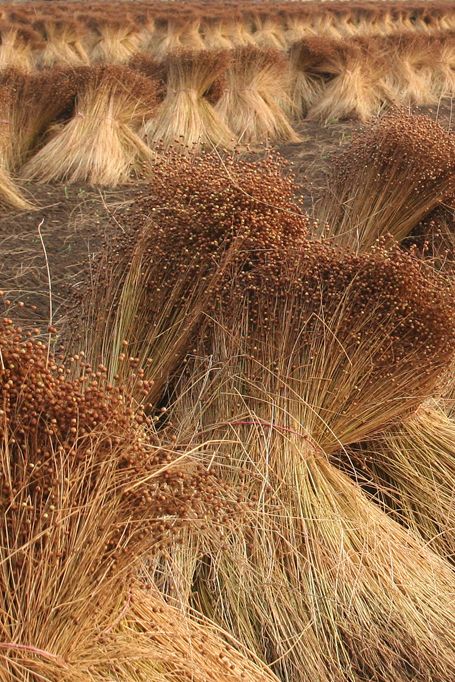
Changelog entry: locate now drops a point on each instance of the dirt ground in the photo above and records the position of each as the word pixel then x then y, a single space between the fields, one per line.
pixel 73 222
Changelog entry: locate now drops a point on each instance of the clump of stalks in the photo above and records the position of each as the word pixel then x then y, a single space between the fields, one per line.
pixel 296 361
pixel 293 362
pixel 87 491
pixel 17 43
pixel 179 32
pixel 307 79
pixel 100 142
pixel 35 102
pixel 388 179
pixel 350 74
pixel 10 194
pixel 115 39
pixel 444 71
pixel 155 282
pixel 255 101
pixel 62 43
pixel 410 471
pixel 413 59
pixel 268 30
pixel 214 34
pixel 187 116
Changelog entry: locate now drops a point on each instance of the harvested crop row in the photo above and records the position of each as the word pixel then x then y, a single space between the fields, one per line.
pixel 105 124
pixel 101 26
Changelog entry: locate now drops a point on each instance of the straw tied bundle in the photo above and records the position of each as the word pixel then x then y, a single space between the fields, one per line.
pixel 410 470
pixel 87 490
pixel 338 79
pixel 296 360
pixel 187 116
pixel 29 103
pixel 155 282
pixel 100 142
pixel 255 101
pixel 388 179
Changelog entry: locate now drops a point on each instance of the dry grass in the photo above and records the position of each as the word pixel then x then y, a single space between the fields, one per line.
pixel 350 595
pixel 187 115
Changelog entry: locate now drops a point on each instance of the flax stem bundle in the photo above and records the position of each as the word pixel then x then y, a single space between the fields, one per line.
pixel 288 379
pixel 187 115
pixel 87 490
pixel 410 470
pixel 255 101
pixel 100 143
pixel 296 360
pixel 388 179
pixel 62 43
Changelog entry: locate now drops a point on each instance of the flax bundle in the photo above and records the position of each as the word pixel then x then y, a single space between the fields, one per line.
pixel 62 43
pixel 388 179
pixel 352 77
pixel 285 379
pixel 86 491
pixel 16 46
pixel 295 360
pixel 187 116
pixel 255 101
pixel 410 470
pixel 100 143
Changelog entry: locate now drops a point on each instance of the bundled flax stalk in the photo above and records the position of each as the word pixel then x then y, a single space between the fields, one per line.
pixel 62 43
pixel 187 116
pixel 176 34
pixel 10 194
pixel 413 60
pixel 155 282
pixel 352 75
pixel 388 179
pixel 100 143
pixel 308 82
pixel 410 471
pixel 255 101
pixel 296 361
pixel 16 47
pixel 116 40
pixel 268 31
pixel 86 493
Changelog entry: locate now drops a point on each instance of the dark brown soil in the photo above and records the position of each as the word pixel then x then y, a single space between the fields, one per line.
pixel 74 221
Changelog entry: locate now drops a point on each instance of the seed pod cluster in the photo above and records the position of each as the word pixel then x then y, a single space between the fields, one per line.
pixel 388 179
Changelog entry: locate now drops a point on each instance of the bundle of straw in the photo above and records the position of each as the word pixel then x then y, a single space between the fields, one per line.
pixel 298 359
pixel 352 77
pixel 16 46
pixel 255 101
pixel 155 283
pixel 63 43
pixel 177 34
pixel 115 40
pixel 308 82
pixel 268 31
pixel 100 143
pixel 410 470
pixel 413 58
pixel 85 494
pixel 444 72
pixel 388 179
pixel 10 194
pixel 187 116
